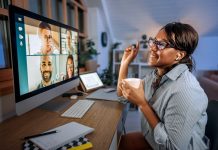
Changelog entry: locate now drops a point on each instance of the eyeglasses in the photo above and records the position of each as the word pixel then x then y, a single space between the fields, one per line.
pixel 47 37
pixel 69 65
pixel 159 44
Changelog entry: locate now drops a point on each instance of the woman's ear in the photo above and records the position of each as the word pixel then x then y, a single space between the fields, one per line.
pixel 180 55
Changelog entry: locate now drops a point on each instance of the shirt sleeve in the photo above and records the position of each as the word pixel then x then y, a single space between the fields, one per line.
pixel 183 111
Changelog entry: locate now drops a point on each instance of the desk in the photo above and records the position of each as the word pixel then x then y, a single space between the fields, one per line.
pixel 104 116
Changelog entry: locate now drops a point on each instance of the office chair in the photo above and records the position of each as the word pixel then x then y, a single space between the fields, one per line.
pixel 211 130
pixel 134 141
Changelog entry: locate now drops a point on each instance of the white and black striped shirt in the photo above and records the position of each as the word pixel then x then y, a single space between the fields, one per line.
pixel 181 104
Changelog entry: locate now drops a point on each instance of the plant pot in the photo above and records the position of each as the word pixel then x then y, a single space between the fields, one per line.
pixel 91 65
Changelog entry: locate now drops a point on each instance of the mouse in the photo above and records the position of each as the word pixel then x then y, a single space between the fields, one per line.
pixel 73 97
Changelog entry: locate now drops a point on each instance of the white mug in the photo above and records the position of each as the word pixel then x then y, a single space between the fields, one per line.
pixel 134 82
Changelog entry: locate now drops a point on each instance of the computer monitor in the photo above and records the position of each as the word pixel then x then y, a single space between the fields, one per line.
pixel 45 58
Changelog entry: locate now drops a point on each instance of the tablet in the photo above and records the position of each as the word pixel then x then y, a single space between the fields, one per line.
pixel 90 81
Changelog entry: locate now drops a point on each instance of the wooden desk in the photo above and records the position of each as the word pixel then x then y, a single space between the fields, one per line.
pixel 103 116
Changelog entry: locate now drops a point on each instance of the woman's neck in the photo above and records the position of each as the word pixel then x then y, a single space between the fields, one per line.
pixel 161 72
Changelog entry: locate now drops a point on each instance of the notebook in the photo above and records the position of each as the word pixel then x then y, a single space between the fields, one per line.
pixel 66 133
pixel 79 144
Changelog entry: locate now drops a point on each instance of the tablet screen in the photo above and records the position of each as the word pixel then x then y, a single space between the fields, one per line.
pixel 91 81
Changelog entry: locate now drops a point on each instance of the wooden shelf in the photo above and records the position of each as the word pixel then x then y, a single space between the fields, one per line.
pixel 6 82
pixel 6 87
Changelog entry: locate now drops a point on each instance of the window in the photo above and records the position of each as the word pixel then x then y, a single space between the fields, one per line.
pixel 4 3
pixel 81 20
pixel 34 6
pixel 2 55
pixel 4 36
pixel 43 8
pixel 59 11
pixel 38 7
pixel 5 71
pixel 4 61
pixel 70 15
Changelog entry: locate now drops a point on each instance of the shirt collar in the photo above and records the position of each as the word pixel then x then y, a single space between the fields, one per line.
pixel 176 71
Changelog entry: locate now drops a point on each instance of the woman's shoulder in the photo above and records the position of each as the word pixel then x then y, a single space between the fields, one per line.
pixel 186 79
pixel 187 86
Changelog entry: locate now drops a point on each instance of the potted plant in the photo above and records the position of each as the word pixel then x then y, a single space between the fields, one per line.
pixel 88 56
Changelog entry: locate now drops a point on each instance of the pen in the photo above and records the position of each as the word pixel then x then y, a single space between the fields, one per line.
pixel 41 134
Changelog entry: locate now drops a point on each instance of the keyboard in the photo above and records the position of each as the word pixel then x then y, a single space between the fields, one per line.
pixel 78 109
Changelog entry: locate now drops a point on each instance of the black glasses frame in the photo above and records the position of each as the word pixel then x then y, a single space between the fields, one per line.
pixel 159 44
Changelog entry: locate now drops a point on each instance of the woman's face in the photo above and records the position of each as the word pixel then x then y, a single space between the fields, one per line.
pixel 70 68
pixel 161 58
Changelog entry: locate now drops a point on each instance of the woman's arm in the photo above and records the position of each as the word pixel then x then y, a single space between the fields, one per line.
pixel 128 56
pixel 122 75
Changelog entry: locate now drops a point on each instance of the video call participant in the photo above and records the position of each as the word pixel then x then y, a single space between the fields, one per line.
pixel 69 67
pixel 45 34
pixel 69 47
pixel 171 100
pixel 46 71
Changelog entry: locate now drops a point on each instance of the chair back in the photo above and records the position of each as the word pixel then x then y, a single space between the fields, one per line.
pixel 211 130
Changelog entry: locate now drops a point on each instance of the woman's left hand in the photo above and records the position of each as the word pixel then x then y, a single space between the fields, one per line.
pixel 134 95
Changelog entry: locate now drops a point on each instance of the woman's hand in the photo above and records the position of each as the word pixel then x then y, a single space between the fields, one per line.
pixel 129 54
pixel 134 95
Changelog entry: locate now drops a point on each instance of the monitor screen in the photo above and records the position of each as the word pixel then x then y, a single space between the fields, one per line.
pixel 91 81
pixel 45 54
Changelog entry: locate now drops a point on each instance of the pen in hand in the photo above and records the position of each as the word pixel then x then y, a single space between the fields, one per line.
pixel 42 134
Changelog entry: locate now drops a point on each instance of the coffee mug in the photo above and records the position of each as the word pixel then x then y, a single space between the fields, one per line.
pixel 134 82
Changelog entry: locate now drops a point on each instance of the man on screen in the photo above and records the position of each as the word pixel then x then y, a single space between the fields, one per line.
pixel 45 35
pixel 46 71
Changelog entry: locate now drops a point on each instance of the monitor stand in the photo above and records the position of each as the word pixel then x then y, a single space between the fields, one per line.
pixel 58 104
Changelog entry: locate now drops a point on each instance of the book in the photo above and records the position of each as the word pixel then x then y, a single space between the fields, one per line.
pixel 82 147
pixel 80 144
pixel 66 133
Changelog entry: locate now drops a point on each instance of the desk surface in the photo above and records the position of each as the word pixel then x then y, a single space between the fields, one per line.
pixel 103 116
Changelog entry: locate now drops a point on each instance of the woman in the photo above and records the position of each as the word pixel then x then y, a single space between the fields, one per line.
pixel 172 103
pixel 69 67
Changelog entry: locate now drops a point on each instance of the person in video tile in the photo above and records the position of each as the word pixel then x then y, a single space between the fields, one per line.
pixel 45 35
pixel 69 42
pixel 46 71
pixel 69 46
pixel 69 67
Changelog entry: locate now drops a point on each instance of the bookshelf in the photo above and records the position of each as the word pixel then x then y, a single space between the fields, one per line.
pixel 137 69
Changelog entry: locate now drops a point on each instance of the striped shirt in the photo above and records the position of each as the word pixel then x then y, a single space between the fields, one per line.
pixel 181 104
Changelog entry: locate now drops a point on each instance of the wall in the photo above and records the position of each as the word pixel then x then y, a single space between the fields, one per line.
pixel 206 54
pixel 96 25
